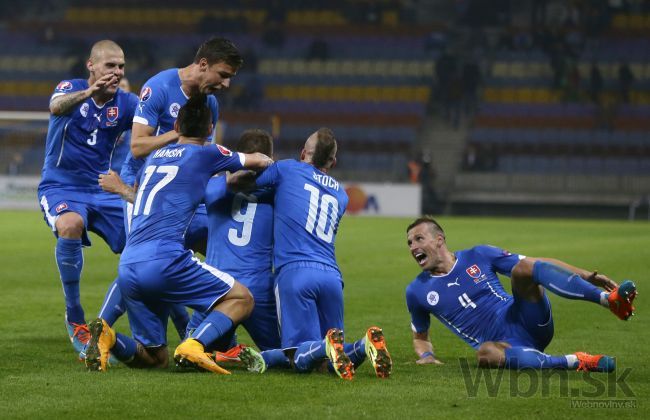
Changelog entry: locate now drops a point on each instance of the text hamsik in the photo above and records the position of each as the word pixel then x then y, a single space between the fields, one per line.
pixel 326 181
pixel 167 153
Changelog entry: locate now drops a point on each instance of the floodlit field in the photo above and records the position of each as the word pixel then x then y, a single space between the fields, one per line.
pixel 40 376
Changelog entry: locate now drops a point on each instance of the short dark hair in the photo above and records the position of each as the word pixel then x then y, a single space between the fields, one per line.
pixel 195 117
pixel 255 140
pixel 325 148
pixel 218 50
pixel 435 226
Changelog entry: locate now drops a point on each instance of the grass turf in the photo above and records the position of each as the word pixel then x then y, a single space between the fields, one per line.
pixel 40 376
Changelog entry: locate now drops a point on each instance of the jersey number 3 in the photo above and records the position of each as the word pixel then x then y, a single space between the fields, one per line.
pixel 170 172
pixel 329 209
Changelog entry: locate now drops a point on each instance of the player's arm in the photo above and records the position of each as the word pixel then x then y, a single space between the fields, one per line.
pixel 112 183
pixel 424 349
pixel 257 161
pixel 143 141
pixel 593 277
pixel 63 104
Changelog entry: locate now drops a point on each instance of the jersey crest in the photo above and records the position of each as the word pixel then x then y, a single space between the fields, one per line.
pixel 112 114
pixel 474 271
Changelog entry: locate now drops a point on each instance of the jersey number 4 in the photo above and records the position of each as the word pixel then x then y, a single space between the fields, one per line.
pixel 170 172
pixel 329 209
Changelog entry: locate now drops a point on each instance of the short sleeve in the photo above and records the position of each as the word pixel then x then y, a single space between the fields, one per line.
pixel 150 106
pixel 502 261
pixel 66 86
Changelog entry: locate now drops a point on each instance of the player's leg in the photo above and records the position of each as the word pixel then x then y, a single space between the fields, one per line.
pixel 263 328
pixel 493 354
pixel 148 322
pixel 66 213
pixel 300 332
pixel 206 289
pixel 570 285
pixel 322 289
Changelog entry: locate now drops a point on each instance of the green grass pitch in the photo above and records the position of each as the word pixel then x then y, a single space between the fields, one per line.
pixel 40 376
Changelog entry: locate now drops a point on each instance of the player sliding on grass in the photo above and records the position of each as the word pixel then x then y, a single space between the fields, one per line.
pixel 155 268
pixel 463 291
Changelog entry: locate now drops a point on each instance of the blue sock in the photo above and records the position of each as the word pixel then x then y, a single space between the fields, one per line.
pixel 308 354
pixel 113 307
pixel 276 359
pixel 195 320
pixel 527 358
pixel 124 348
pixel 70 261
pixel 180 318
pixel 213 326
pixel 356 351
pixel 564 283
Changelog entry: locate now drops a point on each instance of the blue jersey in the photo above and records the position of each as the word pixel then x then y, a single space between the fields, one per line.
pixel 469 300
pixel 240 235
pixel 170 189
pixel 160 100
pixel 308 207
pixel 80 144
pixel 122 150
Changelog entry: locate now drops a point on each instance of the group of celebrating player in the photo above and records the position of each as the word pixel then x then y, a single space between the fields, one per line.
pixel 267 230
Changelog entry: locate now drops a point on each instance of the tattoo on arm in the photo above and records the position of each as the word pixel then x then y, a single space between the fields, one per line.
pixel 64 103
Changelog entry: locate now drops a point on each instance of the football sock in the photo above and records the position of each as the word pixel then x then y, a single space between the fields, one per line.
pixel 113 307
pixel 195 320
pixel 564 283
pixel 124 348
pixel 180 318
pixel 528 358
pixel 69 259
pixel 276 359
pixel 212 328
pixel 572 361
pixel 356 351
pixel 308 354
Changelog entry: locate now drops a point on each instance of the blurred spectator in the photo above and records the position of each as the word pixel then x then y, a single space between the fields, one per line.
pixel 538 13
pixel 250 96
pixel 595 83
pixel 471 81
pixel 572 89
pixel 318 50
pixel 274 36
pixel 250 61
pixel 625 81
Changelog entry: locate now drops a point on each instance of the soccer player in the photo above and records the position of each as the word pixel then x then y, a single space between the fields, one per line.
pixel 308 206
pixel 463 291
pixel 155 268
pixel 86 121
pixel 215 63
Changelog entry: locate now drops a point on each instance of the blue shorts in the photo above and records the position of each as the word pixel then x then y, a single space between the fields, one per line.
pixel 262 325
pixel 309 298
pixel 101 212
pixel 527 324
pixel 149 287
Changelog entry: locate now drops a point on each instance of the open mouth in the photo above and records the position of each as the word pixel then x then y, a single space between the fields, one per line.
pixel 420 257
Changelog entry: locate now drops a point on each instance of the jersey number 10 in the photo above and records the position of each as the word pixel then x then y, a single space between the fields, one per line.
pixel 329 206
